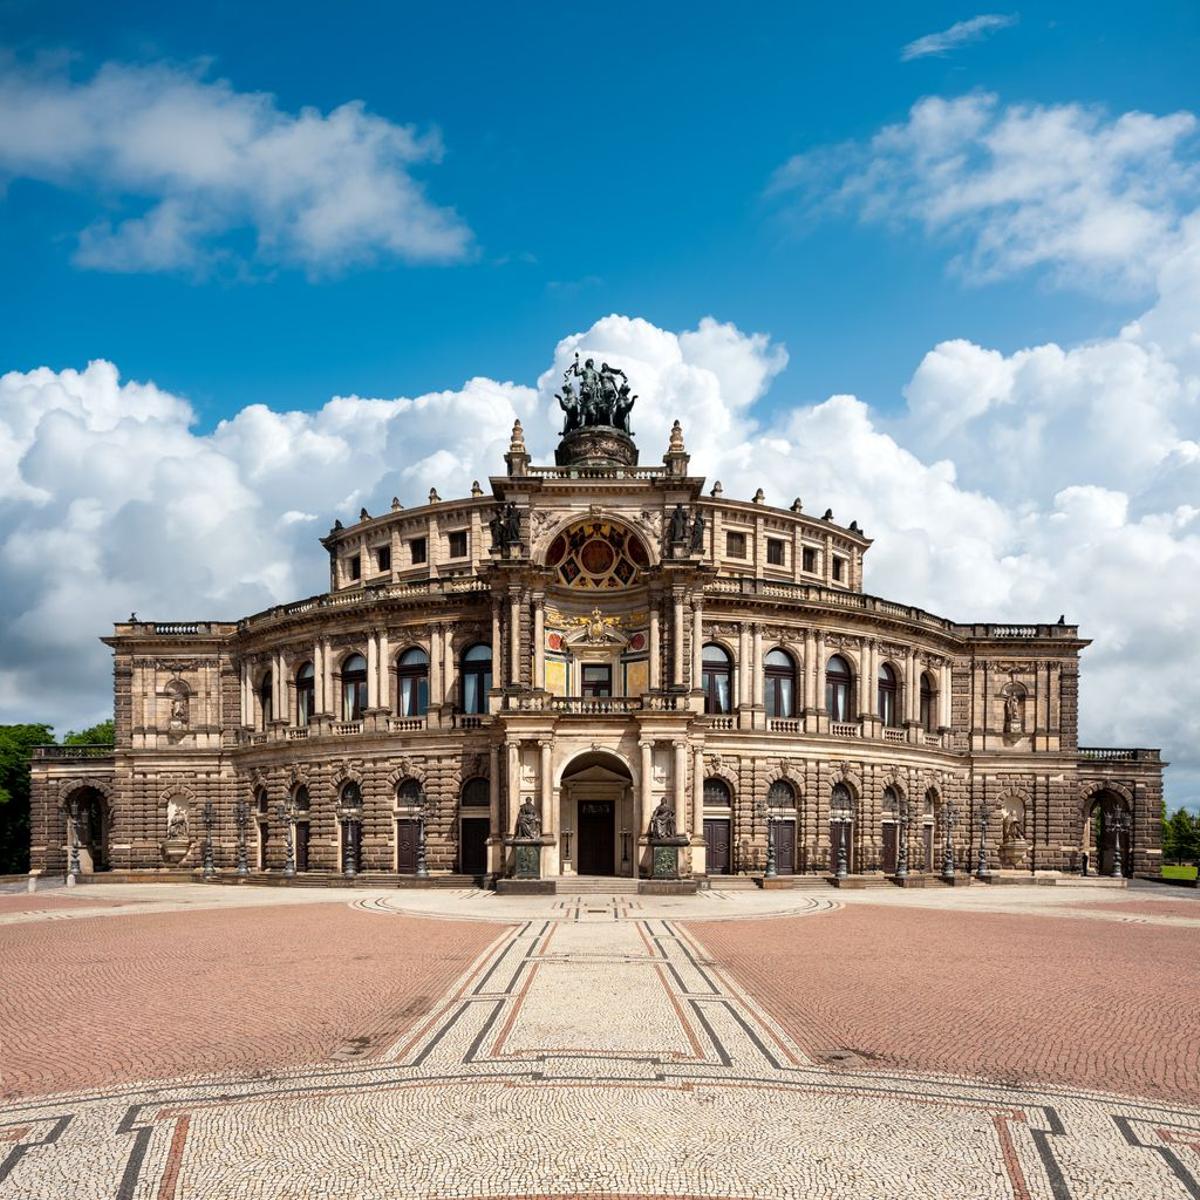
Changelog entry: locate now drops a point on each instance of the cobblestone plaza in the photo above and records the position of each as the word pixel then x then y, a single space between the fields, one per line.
pixel 169 1041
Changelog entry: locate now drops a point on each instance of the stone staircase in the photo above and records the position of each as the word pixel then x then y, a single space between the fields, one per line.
pixel 595 885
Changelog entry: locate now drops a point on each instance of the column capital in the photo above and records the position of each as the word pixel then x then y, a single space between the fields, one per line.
pixel 646 745
pixel 544 743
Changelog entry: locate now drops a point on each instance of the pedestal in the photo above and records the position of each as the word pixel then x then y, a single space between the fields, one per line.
pixel 527 857
pixel 664 857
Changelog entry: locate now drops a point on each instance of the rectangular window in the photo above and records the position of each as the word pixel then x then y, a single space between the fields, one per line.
pixel 458 544
pixel 354 566
pixel 810 559
pixel 735 545
pixel 597 679
pixel 417 548
pixel 775 552
pixel 839 568
pixel 384 557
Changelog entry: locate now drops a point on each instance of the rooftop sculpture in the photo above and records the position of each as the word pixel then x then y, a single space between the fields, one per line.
pixel 596 404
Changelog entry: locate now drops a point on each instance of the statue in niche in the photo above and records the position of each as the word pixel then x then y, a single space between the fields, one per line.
pixel 1011 830
pixel 698 534
pixel 662 822
pixel 678 530
pixel 179 709
pixel 529 824
pixel 1014 716
pixel 506 527
pixel 178 820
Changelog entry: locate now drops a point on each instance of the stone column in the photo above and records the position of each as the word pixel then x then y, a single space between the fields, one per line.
pixel 318 678
pixel 745 696
pixel 655 648
pixel 810 670
pixel 372 670
pixel 677 638
pixel 645 801
pixel 697 641
pixel 497 644
pixel 437 684
pixel 545 778
pixel 681 810
pixel 514 637
pixel 912 691
pixel 385 674
pixel 539 641
pixel 514 784
pixel 445 635
pixel 698 792
pixel 756 667
pixel 247 697
pixel 944 700
pixel 495 829
pixel 327 667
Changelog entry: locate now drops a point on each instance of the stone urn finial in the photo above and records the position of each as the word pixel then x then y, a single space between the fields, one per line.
pixel 760 497
pixel 476 490
pixel 797 506
pixel 717 490
pixel 675 445
pixel 517 445
pixel 434 498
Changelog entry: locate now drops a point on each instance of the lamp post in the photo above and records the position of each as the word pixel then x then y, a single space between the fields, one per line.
pixel 842 868
pixel 350 850
pixel 902 851
pixel 625 851
pixel 242 817
pixel 285 811
pixel 949 820
pixel 982 871
pixel 423 815
pixel 74 816
pixel 1120 824
pixel 210 814
pixel 771 868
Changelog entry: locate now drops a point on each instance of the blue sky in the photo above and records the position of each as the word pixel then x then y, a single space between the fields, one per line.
pixel 933 266
pixel 607 158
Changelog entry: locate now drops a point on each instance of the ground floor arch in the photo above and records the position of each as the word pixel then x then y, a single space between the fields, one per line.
pixel 87 829
pixel 596 815
pixel 1108 833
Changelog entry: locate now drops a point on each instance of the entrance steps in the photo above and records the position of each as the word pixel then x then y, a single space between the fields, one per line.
pixel 595 885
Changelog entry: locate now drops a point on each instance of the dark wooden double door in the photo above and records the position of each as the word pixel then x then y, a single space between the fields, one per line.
pixel 595 853
pixel 891 849
pixel 718 857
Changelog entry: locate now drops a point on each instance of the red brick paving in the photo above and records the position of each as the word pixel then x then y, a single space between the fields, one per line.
pixel 86 1003
pixel 1147 908
pixel 1020 999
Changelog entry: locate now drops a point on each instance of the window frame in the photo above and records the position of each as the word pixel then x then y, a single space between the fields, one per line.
pixel 306 693
pixel 354 705
pixel 412 683
pixel 712 673
pixel 887 686
pixel 458 537
pixel 928 703
pixel 776 545
pixel 775 677
pixel 839 685
pixel 475 679
pixel 421 543
pixel 742 540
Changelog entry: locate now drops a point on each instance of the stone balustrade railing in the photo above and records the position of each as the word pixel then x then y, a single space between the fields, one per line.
pixel 1117 754
pixel 51 753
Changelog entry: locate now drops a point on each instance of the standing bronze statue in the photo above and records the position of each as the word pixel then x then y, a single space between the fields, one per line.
pixel 601 399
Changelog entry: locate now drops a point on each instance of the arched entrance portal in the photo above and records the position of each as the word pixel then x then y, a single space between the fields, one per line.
pixel 87 826
pixel 1109 834
pixel 598 834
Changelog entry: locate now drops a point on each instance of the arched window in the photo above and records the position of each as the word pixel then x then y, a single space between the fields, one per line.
pixel 408 794
pixel 781 794
pixel 716 794
pixel 266 692
pixel 839 687
pixel 354 688
pixel 476 677
pixel 887 695
pixel 841 802
pixel 262 802
pixel 781 684
pixel 928 705
pixel 891 801
pixel 412 672
pixel 717 679
pixel 351 794
pixel 305 694
pixel 301 799
pixel 476 793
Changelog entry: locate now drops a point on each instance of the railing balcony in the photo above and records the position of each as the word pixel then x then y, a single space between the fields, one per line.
pixel 1118 754
pixel 297 733
pixel 894 735
pixel 720 724
pixel 346 728
pixel 468 720
pixel 844 729
pixel 405 724
pixel 67 753
pixel 785 725
pixel 595 706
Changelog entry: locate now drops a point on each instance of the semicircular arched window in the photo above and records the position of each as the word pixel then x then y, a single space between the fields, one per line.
pixel 306 681
pixel 408 793
pixel 839 687
pixel 716 793
pixel 476 793
pixel 597 555
pixel 717 679
pixel 781 794
pixel 412 675
pixel 888 689
pixel 780 671
pixel 928 707
pixel 354 687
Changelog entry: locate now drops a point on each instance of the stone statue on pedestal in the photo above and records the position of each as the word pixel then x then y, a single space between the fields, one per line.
pixel 529 824
pixel 662 822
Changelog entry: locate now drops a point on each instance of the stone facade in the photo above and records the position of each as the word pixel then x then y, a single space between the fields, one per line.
pixel 598 638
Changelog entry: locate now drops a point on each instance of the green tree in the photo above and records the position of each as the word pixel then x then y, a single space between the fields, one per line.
pixel 16 749
pixel 99 735
pixel 1185 837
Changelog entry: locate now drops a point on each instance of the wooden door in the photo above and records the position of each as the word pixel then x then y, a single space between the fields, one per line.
pixel 301 845
pixel 785 847
pixel 473 845
pixel 927 847
pixel 716 837
pixel 890 848
pixel 408 834
pixel 594 855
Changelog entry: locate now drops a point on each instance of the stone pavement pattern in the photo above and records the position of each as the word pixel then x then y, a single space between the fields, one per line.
pixel 599 1046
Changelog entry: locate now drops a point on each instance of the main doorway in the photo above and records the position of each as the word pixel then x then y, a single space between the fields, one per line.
pixel 597 834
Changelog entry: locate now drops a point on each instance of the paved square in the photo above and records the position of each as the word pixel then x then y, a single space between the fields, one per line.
pixel 265 1043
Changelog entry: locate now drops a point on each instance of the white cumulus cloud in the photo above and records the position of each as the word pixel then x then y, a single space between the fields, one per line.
pixel 192 165
pixel 1095 200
